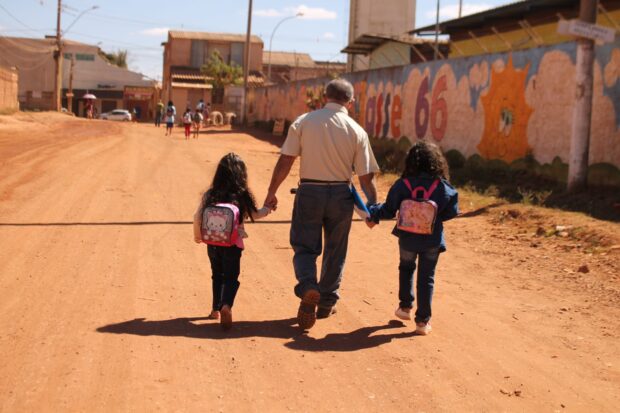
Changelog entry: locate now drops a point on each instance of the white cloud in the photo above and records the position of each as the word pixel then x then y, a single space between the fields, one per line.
pixel 309 13
pixel 329 35
pixel 156 31
pixel 452 11
pixel 315 13
pixel 268 13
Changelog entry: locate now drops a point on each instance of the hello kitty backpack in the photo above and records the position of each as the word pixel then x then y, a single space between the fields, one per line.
pixel 220 225
pixel 418 215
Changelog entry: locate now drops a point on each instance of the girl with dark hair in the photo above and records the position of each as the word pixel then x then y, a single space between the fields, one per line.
pixel 426 171
pixel 229 186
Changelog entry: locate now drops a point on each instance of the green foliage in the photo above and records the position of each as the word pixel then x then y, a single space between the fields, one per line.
pixel 455 159
pixel 118 58
pixel 221 74
pixel 391 153
pixel 527 196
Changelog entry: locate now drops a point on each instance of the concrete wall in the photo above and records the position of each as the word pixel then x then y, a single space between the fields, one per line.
pixel 499 106
pixel 8 89
pixel 387 17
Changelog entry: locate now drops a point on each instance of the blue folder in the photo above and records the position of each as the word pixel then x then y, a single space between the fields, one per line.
pixel 358 204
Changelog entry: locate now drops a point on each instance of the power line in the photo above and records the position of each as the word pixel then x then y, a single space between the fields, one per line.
pixel 16 19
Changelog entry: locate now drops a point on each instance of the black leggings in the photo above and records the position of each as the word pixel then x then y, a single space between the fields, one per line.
pixel 225 268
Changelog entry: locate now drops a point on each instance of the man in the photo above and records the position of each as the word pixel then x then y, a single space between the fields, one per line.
pixel 159 113
pixel 332 146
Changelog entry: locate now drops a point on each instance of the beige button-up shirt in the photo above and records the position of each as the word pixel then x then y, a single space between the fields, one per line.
pixel 331 144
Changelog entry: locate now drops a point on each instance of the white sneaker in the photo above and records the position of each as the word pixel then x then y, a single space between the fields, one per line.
pixel 403 314
pixel 423 329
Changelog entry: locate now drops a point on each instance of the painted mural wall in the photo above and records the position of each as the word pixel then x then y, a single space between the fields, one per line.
pixel 500 106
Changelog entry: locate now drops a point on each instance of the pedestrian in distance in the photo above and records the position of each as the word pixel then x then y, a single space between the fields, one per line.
pixel 159 113
pixel 197 122
pixel 200 107
pixel 187 122
pixel 424 200
pixel 171 111
pixel 332 146
pixel 218 222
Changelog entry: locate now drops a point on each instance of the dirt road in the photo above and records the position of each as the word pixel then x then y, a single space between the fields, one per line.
pixel 105 294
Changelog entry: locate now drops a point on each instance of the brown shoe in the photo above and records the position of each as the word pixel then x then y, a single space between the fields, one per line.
pixel 225 318
pixel 306 315
pixel 325 312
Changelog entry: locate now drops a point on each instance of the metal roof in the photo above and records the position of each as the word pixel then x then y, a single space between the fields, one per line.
pixel 517 10
pixel 290 59
pixel 225 37
pixel 367 43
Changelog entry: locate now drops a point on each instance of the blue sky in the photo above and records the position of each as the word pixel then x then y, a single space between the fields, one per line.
pixel 141 25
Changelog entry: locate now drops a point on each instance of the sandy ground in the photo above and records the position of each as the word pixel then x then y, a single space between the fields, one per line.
pixel 105 294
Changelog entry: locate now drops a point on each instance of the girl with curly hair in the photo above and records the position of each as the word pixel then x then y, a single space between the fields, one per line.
pixel 427 169
pixel 230 186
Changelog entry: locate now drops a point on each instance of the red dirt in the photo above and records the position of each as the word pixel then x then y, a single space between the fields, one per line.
pixel 105 294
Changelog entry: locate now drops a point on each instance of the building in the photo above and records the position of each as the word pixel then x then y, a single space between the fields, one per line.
pixel 390 18
pixel 520 25
pixel 291 66
pixel 388 51
pixel 85 70
pixel 186 52
pixel 8 89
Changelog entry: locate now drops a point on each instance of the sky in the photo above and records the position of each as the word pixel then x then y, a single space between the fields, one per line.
pixel 140 26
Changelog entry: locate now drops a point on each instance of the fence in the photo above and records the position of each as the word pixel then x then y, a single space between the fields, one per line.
pixel 506 107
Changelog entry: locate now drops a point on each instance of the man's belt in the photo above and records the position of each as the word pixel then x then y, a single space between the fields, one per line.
pixel 319 182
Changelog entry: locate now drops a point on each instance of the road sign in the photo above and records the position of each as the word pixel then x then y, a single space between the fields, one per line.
pixel 582 29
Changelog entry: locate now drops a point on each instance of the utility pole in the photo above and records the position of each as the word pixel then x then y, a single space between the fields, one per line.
pixel 246 70
pixel 70 93
pixel 582 114
pixel 436 56
pixel 460 8
pixel 58 57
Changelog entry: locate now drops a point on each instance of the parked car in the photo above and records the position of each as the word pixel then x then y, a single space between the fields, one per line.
pixel 117 114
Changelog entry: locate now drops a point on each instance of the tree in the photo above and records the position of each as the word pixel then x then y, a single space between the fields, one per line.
pixel 220 74
pixel 118 58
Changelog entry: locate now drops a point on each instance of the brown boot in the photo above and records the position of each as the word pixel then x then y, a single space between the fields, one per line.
pixel 225 318
pixel 306 315
pixel 325 312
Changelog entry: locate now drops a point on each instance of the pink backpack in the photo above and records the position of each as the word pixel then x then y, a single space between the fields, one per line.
pixel 418 215
pixel 220 225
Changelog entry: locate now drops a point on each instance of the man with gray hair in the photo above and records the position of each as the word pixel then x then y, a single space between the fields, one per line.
pixel 332 146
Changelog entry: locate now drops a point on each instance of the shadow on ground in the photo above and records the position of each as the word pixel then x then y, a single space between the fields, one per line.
pixel 203 328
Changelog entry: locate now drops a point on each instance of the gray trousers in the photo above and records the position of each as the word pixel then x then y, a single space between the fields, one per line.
pixel 321 211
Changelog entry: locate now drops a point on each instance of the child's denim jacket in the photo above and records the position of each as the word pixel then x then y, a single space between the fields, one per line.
pixel 446 198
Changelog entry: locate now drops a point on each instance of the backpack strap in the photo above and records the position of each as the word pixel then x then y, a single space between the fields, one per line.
pixel 432 188
pixel 426 193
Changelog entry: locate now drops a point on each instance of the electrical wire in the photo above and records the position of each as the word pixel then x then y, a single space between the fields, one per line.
pixel 16 19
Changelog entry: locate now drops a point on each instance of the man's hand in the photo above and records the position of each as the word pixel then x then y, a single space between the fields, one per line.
pixel 280 172
pixel 271 201
pixel 369 223
pixel 197 240
pixel 367 183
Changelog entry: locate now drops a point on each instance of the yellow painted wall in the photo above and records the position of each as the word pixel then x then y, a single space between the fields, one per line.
pixel 520 39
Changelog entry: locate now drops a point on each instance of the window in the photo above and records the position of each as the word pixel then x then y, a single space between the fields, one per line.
pixel 198 53
pixel 217 96
pixel 68 56
pixel 85 57
pixel 236 54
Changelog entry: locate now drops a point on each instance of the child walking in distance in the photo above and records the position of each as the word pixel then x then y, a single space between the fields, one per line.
pixel 171 111
pixel 187 122
pixel 218 222
pixel 197 122
pixel 423 199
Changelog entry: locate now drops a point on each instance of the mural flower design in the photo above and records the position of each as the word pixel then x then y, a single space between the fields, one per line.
pixel 506 115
